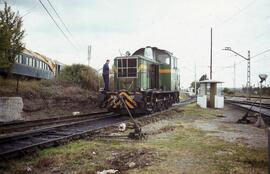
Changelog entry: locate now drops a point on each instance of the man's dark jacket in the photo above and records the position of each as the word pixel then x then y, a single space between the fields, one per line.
pixel 106 70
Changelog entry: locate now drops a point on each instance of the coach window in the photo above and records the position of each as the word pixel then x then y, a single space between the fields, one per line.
pixel 17 58
pixel 20 58
pixel 26 60
pixel 37 63
pixel 23 60
pixel 30 61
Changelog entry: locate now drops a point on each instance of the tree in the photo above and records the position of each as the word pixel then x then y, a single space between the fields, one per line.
pixel 192 85
pixel 11 35
pixel 81 75
pixel 203 77
pixel 228 91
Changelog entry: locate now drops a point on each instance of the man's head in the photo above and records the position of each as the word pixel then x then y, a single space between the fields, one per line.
pixel 108 61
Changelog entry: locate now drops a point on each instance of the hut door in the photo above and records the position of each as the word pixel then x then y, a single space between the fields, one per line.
pixel 213 90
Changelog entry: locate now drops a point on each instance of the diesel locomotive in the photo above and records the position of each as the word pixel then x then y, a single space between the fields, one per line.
pixel 145 82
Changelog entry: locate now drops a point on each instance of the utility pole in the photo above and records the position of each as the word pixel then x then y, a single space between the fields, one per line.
pixel 248 76
pixel 89 54
pixel 195 81
pixel 234 78
pixel 248 86
pixel 211 56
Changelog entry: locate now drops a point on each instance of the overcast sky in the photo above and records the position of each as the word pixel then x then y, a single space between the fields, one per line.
pixel 179 26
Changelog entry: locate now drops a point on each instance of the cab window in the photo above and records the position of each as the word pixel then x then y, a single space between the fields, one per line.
pixel 164 59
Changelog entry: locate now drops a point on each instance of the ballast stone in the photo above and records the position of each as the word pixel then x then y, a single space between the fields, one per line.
pixel 10 108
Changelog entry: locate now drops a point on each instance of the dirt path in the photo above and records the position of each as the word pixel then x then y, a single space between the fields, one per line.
pixel 227 129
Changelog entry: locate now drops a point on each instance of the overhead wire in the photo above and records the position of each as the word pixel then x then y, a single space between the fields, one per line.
pixel 263 52
pixel 229 19
pixel 61 20
pixel 58 26
pixel 239 11
pixel 30 10
pixel 231 66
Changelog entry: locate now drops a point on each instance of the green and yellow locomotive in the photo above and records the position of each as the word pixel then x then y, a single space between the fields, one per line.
pixel 145 82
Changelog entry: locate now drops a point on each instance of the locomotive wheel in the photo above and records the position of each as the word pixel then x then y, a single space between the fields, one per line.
pixel 170 103
pixel 159 106
pixel 166 104
pixel 155 107
pixel 162 106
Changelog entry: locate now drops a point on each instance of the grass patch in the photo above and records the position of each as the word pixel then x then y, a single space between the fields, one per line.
pixel 195 110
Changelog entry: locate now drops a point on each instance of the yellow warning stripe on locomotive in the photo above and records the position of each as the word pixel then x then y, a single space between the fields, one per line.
pixel 128 98
pixel 130 106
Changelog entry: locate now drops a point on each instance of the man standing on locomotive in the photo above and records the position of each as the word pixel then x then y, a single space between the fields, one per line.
pixel 105 75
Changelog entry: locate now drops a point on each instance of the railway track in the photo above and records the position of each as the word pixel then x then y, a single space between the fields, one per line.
pixel 20 126
pixel 19 143
pixel 186 102
pixel 244 96
pixel 38 134
pixel 253 107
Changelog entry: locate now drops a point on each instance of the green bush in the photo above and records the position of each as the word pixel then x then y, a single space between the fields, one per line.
pixel 82 75
pixel 228 91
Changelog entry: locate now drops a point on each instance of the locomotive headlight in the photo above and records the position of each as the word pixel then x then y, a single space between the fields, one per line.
pixel 263 77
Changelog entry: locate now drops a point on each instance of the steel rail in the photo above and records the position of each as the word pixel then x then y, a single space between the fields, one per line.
pixel 264 105
pixel 22 142
pixel 28 125
pixel 251 106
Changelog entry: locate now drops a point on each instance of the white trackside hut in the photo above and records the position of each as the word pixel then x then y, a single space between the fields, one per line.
pixel 210 94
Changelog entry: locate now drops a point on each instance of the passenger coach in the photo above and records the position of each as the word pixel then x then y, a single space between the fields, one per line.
pixel 31 64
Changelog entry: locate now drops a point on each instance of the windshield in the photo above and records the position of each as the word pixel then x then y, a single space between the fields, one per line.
pixel 164 59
